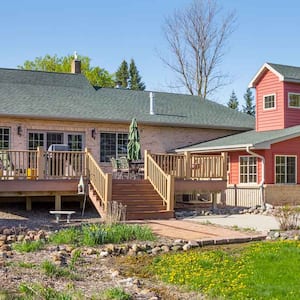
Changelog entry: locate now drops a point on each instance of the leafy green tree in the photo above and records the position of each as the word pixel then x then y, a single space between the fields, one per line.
pixel 122 74
pixel 96 75
pixel 249 108
pixel 135 80
pixel 233 101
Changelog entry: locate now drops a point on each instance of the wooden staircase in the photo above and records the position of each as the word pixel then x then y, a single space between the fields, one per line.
pixel 142 201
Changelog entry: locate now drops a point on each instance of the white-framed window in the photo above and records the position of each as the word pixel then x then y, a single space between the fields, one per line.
pixel 248 169
pixel 4 138
pixel 269 101
pixel 285 169
pixel 45 139
pixel 112 144
pixel 294 100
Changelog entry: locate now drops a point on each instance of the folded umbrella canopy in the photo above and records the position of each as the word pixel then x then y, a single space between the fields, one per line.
pixel 133 146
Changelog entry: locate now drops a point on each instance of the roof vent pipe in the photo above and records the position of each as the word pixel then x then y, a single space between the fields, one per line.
pixel 151 95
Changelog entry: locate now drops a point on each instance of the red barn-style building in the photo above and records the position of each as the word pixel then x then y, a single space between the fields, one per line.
pixel 264 164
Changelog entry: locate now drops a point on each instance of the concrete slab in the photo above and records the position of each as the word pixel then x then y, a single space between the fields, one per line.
pixel 259 223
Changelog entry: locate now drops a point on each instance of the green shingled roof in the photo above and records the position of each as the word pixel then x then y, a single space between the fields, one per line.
pixel 252 139
pixel 288 72
pixel 38 94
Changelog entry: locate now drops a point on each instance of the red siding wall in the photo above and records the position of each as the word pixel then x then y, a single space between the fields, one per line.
pixel 288 147
pixel 292 115
pixel 274 118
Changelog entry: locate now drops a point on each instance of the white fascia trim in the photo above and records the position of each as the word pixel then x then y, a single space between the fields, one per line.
pixel 216 149
pixel 265 66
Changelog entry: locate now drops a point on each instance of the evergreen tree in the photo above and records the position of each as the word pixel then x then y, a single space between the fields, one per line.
pixel 249 108
pixel 122 75
pixel 135 80
pixel 233 101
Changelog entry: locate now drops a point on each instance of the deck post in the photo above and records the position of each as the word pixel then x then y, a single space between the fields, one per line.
pixel 146 171
pixel 57 202
pixel 86 167
pixel 40 163
pixel 170 193
pixel 28 203
pixel 224 155
pixel 108 190
pixel 187 171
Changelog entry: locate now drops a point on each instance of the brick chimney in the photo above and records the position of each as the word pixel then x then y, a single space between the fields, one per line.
pixel 76 65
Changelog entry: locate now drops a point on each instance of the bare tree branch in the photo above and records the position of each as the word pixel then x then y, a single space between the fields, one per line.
pixel 196 37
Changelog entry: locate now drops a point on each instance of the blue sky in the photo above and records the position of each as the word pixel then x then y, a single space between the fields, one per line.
pixel 110 31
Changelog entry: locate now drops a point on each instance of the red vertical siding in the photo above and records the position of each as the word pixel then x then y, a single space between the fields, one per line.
pixel 274 118
pixel 292 115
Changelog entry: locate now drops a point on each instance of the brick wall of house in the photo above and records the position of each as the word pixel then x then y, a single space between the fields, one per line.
pixel 154 138
pixel 281 194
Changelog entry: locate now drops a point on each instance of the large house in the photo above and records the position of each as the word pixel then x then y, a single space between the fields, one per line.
pixel 39 109
pixel 263 164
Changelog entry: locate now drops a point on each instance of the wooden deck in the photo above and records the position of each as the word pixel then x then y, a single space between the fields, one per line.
pixel 38 173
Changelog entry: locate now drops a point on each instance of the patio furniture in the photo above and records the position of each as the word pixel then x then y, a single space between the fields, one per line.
pixel 115 168
pixel 124 167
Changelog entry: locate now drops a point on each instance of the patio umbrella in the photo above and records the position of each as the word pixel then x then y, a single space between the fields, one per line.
pixel 133 146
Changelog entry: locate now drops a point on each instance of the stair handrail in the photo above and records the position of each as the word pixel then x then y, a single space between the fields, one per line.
pixel 100 181
pixel 163 183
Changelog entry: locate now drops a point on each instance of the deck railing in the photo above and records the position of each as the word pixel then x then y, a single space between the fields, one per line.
pixel 163 183
pixel 101 182
pixel 39 164
pixel 193 165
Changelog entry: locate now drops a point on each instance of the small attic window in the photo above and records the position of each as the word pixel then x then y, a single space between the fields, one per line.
pixel 269 102
pixel 294 100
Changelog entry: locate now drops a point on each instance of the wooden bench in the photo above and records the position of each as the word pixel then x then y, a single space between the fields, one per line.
pixel 58 213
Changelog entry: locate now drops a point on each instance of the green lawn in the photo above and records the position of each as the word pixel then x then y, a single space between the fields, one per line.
pixel 265 270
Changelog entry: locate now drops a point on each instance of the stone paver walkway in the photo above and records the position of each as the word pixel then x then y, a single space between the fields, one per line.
pixel 187 230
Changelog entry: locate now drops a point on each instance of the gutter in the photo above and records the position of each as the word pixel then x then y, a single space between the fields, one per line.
pixel 261 184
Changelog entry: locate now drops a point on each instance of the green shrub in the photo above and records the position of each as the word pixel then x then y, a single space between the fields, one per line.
pixel 28 246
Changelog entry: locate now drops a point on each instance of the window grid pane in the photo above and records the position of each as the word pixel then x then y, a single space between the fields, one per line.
pixel 285 169
pixel 54 138
pixel 35 139
pixel 269 101
pixel 75 142
pixel 294 100
pixel 4 138
pixel 112 145
pixel 248 169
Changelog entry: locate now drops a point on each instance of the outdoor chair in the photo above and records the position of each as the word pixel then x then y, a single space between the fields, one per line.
pixel 124 167
pixel 115 168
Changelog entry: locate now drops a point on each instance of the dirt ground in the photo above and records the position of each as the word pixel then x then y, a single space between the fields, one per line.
pixel 94 274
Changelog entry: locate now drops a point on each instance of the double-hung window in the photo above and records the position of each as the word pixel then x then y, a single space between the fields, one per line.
pixel 269 102
pixel 285 169
pixel 4 138
pixel 112 145
pixel 248 169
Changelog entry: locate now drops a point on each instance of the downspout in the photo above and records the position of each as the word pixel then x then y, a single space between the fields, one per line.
pixel 261 184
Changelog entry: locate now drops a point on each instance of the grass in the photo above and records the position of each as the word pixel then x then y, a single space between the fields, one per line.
pixel 26 265
pixel 52 270
pixel 28 246
pixel 116 294
pixel 257 271
pixel 94 234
